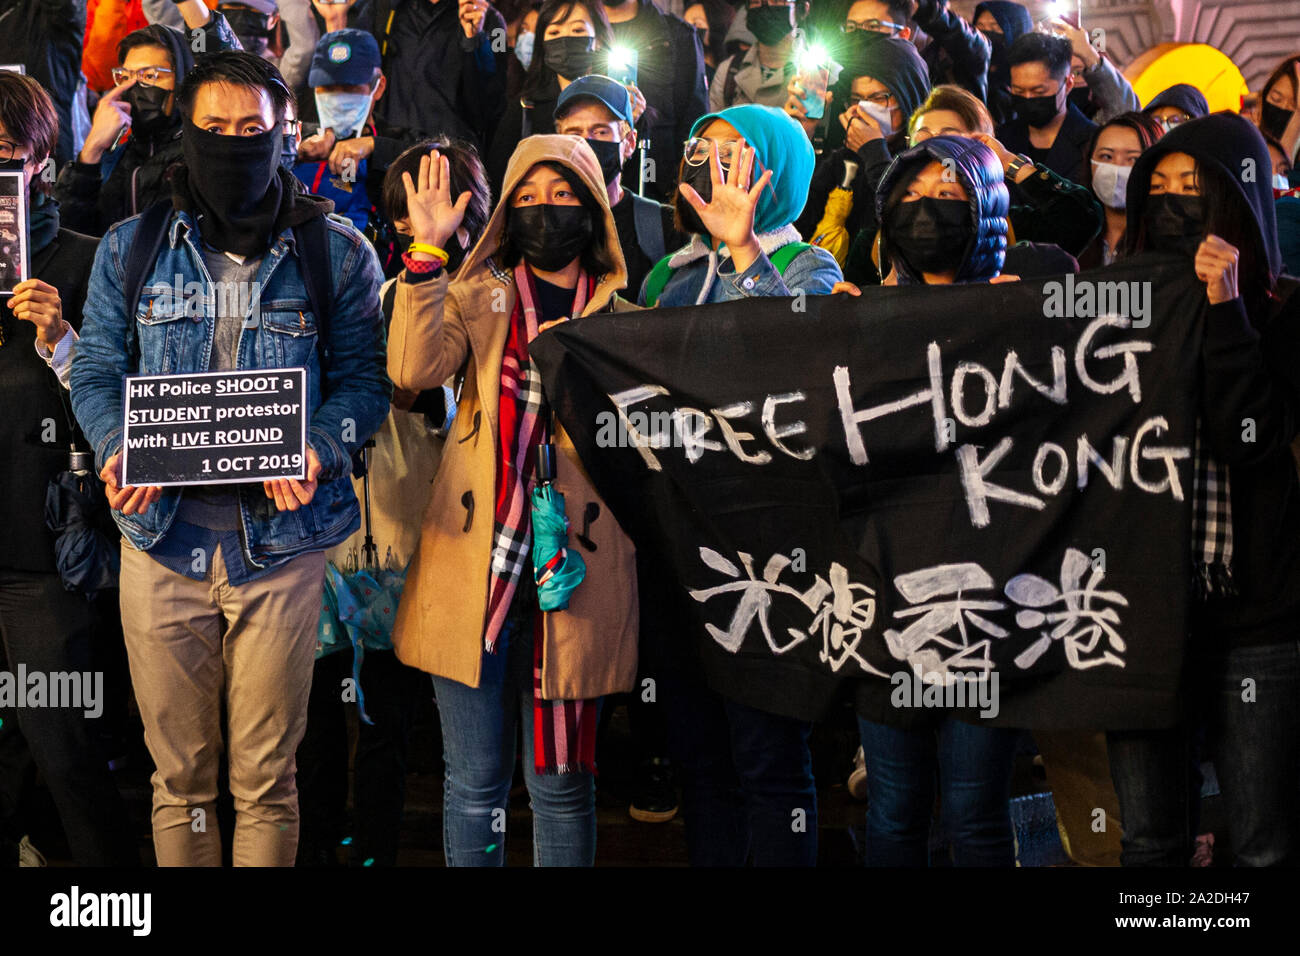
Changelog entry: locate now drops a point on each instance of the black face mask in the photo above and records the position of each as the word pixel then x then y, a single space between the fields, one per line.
pixel 701 180
pixel 770 25
pixel 998 46
pixel 147 103
pixel 930 235
pixel 570 57
pixel 1273 119
pixel 1175 223
pixel 1037 111
pixel 609 157
pixel 234 187
pixel 548 236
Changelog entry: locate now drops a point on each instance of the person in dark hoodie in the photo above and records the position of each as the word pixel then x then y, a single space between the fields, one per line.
pixel 46 37
pixel 883 81
pixel 42 627
pixel 1048 128
pixel 1176 105
pixel 237 630
pixel 1187 196
pixel 1002 23
pixel 957 52
pixel 938 228
pixel 113 179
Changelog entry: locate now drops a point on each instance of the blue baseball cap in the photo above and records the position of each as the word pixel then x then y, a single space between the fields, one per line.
pixel 607 90
pixel 344 57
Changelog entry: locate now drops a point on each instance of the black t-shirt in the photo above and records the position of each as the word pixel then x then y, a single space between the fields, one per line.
pixel 553 301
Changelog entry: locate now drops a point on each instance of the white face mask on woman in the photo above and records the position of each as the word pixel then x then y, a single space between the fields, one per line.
pixel 1110 183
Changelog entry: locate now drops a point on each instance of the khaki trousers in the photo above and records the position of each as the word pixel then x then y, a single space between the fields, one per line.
pixel 193 645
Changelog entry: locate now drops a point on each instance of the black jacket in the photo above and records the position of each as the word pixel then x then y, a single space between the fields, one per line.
pixel 128 180
pixel 1251 366
pixel 897 65
pixel 32 399
pixel 670 75
pixel 522 118
pixel 1015 21
pixel 439 80
pixel 957 52
pixel 1068 155
pixel 46 37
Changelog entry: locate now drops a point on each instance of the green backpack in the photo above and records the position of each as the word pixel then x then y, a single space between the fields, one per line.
pixel 662 272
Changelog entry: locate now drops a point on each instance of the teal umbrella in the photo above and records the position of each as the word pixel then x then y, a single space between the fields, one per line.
pixel 556 569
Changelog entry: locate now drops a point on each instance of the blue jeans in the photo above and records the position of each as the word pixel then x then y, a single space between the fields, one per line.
pixel 973 765
pixel 746 779
pixel 1157 783
pixel 479 726
pixel 1253 733
pixel 1256 750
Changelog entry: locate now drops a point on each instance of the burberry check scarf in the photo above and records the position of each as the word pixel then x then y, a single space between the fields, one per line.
pixel 564 730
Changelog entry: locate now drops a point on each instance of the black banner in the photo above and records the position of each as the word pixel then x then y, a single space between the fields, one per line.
pixel 979 490
pixel 215 427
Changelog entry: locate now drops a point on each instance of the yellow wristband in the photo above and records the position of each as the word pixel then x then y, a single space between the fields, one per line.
pixel 429 250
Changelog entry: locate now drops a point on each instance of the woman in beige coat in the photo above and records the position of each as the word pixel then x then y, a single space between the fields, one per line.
pixel 469 614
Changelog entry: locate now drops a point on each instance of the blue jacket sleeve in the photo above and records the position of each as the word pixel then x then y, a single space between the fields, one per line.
pixel 102 357
pixel 356 384
pixel 813 271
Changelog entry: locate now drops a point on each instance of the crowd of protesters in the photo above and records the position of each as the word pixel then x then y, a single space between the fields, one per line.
pixel 421 187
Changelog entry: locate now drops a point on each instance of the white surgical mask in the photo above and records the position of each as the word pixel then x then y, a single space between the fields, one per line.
pixel 883 115
pixel 524 48
pixel 345 113
pixel 1110 183
pixel 1280 181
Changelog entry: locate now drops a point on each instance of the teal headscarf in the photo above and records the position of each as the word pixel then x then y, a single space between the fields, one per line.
pixel 779 144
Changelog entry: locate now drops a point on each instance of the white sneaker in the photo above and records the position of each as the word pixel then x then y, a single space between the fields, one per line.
pixel 28 855
pixel 858 778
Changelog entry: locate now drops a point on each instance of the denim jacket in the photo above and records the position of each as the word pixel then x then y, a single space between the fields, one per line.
pixel 169 341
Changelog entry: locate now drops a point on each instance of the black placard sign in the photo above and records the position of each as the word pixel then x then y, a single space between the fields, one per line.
pixel 215 427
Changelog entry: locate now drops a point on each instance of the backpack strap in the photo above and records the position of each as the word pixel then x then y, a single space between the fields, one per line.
pixel 729 84
pixel 662 271
pixel 313 262
pixel 656 280
pixel 648 219
pixel 150 234
pixel 782 258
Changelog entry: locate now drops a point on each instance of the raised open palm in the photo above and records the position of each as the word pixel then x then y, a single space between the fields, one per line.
pixel 434 217
pixel 729 213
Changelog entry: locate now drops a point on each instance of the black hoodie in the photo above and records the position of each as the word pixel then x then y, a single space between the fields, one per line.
pixel 128 180
pixel 1182 95
pixel 1251 373
pixel 1015 21
pixel 896 64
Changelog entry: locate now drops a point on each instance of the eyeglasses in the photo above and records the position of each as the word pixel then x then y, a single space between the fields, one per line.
pixel 698 150
pixel 149 75
pixel 1177 119
pixel 7 151
pixel 871 26
pixel 882 98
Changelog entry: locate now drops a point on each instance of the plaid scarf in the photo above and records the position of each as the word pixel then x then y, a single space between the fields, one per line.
pixel 1211 524
pixel 564 731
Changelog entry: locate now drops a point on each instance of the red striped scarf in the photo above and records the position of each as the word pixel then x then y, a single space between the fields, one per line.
pixel 564 731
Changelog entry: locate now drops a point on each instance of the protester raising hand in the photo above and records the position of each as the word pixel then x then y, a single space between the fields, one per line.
pixel 1216 266
pixel 434 217
pixel 729 213
pixel 112 115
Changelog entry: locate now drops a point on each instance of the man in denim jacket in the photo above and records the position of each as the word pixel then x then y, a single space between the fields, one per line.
pixel 221 584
